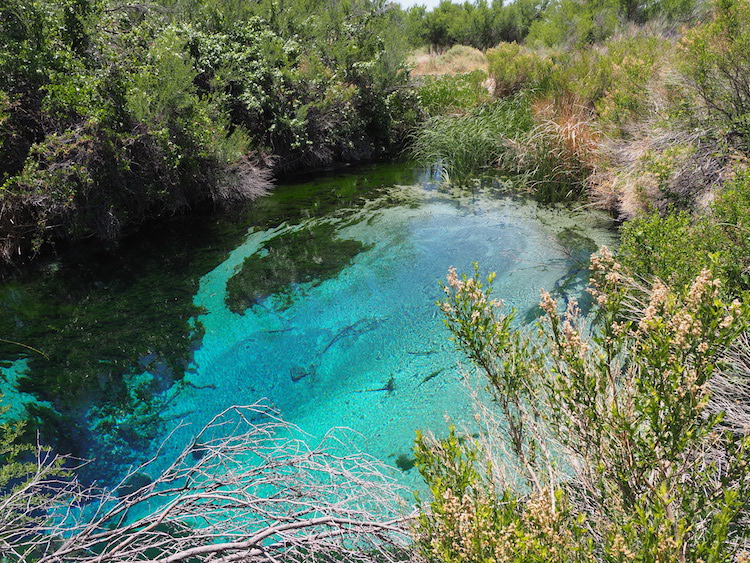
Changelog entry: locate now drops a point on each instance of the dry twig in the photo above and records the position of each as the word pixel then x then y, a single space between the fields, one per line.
pixel 248 488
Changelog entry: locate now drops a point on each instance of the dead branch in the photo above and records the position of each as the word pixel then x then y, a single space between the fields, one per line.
pixel 248 488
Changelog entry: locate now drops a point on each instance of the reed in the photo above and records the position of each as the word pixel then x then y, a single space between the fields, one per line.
pixel 465 145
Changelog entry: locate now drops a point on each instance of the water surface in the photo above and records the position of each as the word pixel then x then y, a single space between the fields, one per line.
pixel 320 298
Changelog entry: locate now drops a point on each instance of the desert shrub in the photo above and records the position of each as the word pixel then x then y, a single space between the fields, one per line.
pixel 471 521
pixel 611 425
pixel 569 23
pixel 716 61
pixel 462 58
pixel 579 23
pixel 676 247
pixel 662 178
pixel 611 77
pixel 464 145
pixel 447 93
pixel 731 213
pixel 514 67
pixel 631 63
pixel 661 168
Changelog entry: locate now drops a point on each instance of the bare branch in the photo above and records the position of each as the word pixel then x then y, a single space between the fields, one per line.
pixel 248 488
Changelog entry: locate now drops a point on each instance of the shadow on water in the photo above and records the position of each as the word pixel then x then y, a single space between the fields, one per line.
pixel 311 254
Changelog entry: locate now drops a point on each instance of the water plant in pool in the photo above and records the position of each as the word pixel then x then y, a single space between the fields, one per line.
pixel 311 254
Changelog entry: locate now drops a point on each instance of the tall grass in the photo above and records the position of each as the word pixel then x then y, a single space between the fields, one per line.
pixel 467 144
pixel 559 154
pixel 552 148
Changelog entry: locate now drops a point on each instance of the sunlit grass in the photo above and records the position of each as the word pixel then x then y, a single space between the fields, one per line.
pixel 466 144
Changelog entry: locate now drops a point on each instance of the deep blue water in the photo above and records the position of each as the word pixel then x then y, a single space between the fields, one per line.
pixel 344 337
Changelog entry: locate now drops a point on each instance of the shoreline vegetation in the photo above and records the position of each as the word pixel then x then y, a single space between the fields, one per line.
pixel 114 114
pixel 617 436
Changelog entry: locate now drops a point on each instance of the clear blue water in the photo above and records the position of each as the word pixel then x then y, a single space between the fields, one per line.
pixel 364 347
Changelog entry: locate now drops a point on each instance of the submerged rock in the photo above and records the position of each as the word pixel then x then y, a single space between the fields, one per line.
pixel 405 462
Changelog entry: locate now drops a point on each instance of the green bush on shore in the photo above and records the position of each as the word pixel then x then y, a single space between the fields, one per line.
pixel 601 443
pixel 112 115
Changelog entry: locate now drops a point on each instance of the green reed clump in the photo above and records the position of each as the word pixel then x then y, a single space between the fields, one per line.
pixel 464 145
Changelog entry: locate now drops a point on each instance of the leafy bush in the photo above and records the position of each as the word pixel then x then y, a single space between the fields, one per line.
pixel 471 521
pixel 610 77
pixel 716 59
pixel 627 67
pixel 111 115
pixel 446 93
pixel 514 67
pixel 676 247
pixel 614 450
pixel 574 24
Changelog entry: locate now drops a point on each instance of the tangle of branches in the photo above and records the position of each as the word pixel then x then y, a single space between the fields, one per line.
pixel 248 488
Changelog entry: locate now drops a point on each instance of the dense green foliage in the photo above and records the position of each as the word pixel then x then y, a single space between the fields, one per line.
pixel 677 247
pixel 113 114
pixel 571 23
pixel 717 61
pixel 479 24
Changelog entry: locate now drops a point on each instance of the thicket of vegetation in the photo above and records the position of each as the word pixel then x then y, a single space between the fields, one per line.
pixel 113 113
pixel 622 436
pixel 626 440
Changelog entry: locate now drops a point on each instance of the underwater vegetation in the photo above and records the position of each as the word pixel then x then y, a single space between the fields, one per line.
pixel 113 333
pixel 311 254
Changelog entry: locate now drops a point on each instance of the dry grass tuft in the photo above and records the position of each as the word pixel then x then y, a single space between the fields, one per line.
pixel 561 151
pixel 459 59
pixel 659 170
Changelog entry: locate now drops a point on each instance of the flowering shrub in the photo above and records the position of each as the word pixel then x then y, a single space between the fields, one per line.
pixel 613 440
